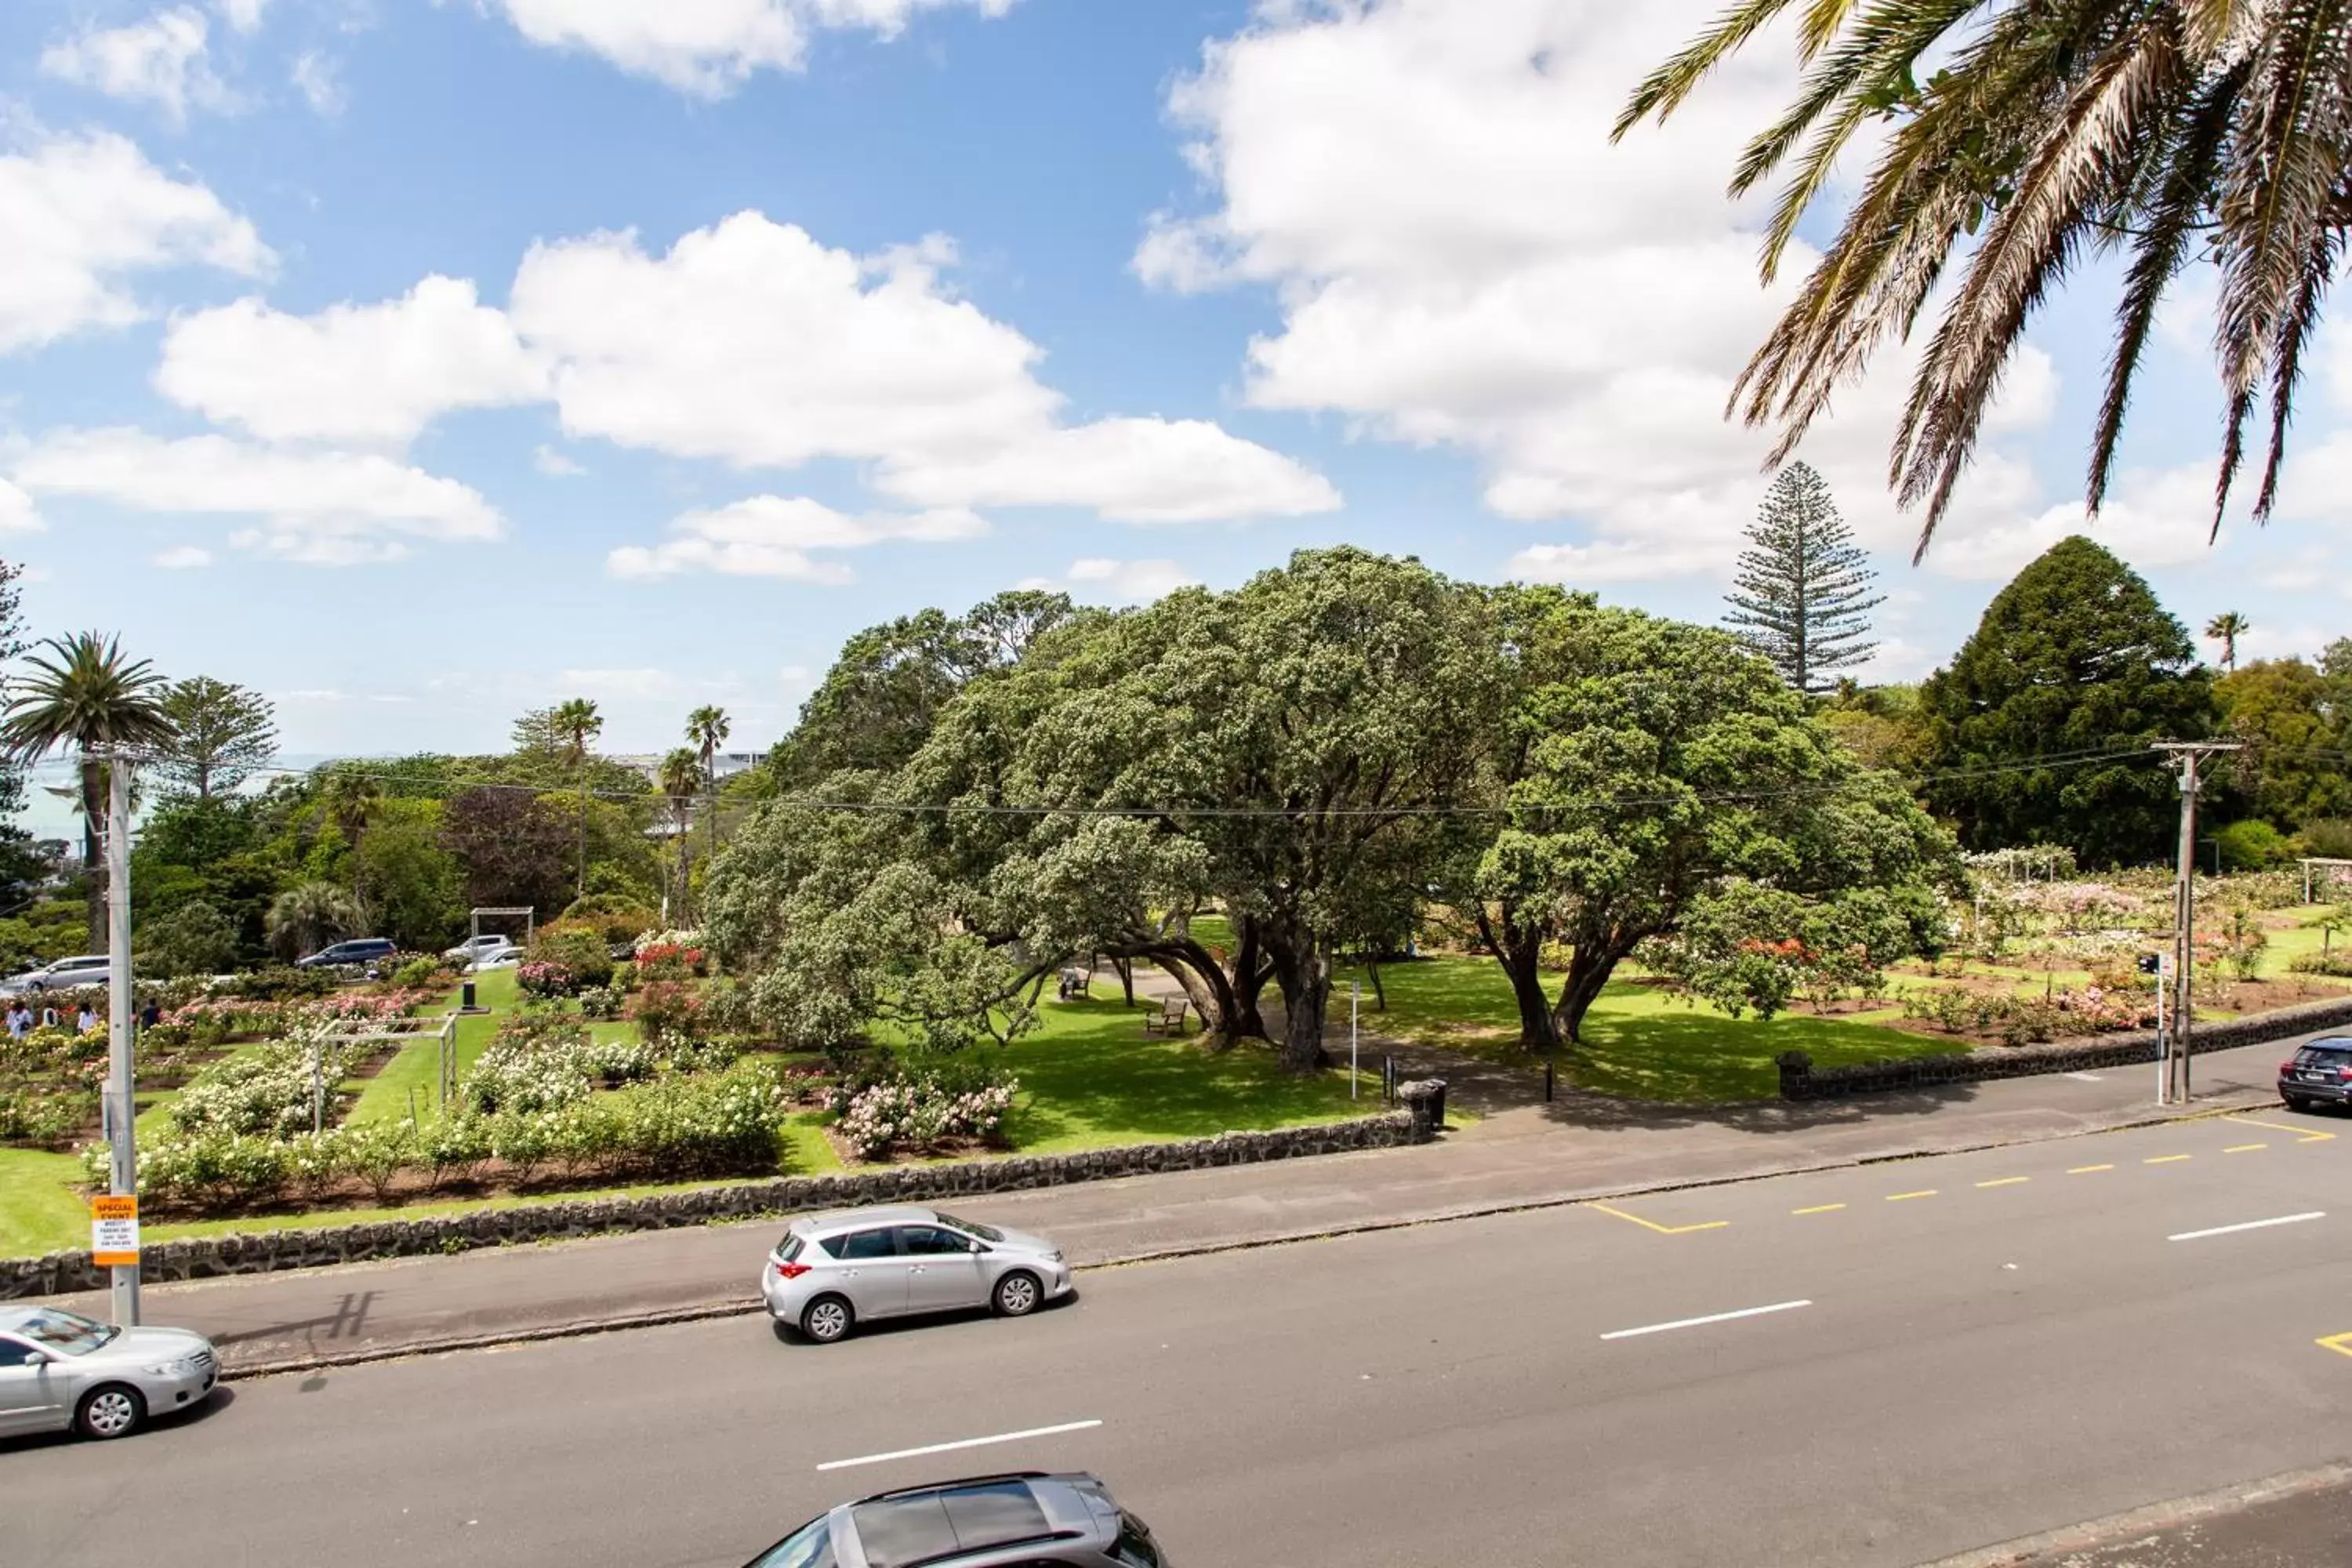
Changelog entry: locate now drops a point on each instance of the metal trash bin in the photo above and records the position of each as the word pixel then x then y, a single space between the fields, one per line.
pixel 465 997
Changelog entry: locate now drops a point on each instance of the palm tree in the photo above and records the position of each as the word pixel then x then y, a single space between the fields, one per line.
pixel 349 798
pixel 2226 628
pixel 85 694
pixel 577 722
pixel 307 917
pixel 707 727
pixel 2170 130
pixel 681 777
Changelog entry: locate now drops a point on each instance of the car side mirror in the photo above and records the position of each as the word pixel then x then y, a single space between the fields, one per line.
pixel 978 1245
pixel 37 1359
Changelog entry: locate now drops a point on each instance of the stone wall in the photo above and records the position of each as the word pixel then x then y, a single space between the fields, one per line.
pixel 1800 1080
pixel 267 1251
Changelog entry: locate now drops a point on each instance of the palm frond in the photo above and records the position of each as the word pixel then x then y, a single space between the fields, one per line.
pixel 1664 91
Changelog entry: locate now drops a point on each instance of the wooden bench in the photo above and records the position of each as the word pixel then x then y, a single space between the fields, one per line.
pixel 1170 1019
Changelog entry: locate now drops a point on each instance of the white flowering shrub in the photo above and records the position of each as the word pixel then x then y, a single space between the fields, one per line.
pixel 919 1112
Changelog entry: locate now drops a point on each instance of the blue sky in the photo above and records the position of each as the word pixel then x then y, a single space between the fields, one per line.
pixel 420 362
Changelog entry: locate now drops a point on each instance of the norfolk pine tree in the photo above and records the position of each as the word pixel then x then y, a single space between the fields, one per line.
pixel 1803 595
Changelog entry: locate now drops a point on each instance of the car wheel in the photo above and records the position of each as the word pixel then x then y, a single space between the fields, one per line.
pixel 827 1319
pixel 111 1410
pixel 1017 1294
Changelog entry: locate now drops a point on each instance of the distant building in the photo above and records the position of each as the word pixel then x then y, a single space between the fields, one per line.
pixel 726 764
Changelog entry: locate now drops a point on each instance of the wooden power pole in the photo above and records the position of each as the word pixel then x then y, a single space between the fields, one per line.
pixel 2186 755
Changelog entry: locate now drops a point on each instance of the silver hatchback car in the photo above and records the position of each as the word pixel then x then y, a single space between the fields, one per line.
pixel 833 1271
pixel 60 1370
pixel 1024 1519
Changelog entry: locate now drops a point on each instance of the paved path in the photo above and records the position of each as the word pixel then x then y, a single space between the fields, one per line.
pixel 1861 1368
pixel 1530 1156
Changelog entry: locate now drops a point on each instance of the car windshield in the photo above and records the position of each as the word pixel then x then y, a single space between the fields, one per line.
pixel 985 1233
pixel 71 1333
pixel 811 1546
pixel 2330 1054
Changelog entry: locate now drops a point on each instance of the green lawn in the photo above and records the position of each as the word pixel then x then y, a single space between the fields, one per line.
pixel 39 1210
pixel 1091 1079
pixel 1639 1043
pixel 418 1067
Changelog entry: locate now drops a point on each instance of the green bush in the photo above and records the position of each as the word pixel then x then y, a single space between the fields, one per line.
pixel 582 949
pixel 2252 846
pixel 2337 964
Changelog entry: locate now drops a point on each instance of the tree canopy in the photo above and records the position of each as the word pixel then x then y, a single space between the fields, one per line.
pixel 221 736
pixel 1803 595
pixel 2076 665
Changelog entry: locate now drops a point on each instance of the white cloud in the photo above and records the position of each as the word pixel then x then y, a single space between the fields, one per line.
pixel 555 464
pixel 328 509
pixel 1620 561
pixel 243 15
pixel 318 79
pixel 183 558
pixel 2150 519
pixel 79 214
pixel 163 61
pixel 1463 260
pixel 1096 580
pixel 17 513
pixel 367 374
pixel 752 342
pixel 710 47
pixel 771 536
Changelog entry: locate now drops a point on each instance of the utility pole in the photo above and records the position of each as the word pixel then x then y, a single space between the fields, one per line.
pixel 123 1164
pixel 2185 755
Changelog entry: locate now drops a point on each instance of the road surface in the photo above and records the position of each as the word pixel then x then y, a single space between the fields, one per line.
pixel 1874 1366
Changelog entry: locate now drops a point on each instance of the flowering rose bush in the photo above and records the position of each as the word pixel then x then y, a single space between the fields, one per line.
pixel 545 978
pixel 921 1109
pixel 268 1091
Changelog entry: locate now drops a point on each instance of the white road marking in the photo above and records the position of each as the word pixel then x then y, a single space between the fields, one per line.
pixel 963 1443
pixel 2086 1078
pixel 2250 1225
pixel 1711 1318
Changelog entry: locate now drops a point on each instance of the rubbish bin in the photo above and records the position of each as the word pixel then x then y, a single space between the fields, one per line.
pixel 465 997
pixel 1425 1099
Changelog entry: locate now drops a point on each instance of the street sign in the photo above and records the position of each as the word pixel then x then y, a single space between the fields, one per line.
pixel 114 1232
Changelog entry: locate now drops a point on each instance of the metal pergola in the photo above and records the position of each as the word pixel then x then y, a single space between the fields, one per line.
pixel 530 921
pixel 445 1076
pixel 2336 869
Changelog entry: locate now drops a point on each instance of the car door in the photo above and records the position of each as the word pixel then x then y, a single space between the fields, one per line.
pixel 943 1273
pixel 28 1393
pixel 872 1274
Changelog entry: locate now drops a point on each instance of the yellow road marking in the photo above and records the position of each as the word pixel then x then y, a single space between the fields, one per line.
pixel 2340 1343
pixel 1653 1225
pixel 2302 1135
pixel 1818 1208
pixel 2167 1159
pixel 2086 1170
pixel 1900 1197
pixel 2244 1148
pixel 2006 1182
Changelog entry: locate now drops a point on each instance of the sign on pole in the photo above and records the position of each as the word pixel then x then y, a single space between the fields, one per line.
pixel 114 1232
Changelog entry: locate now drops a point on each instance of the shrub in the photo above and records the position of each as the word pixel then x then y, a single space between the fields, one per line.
pixel 545 979
pixel 601 1002
pixel 579 948
pixel 2337 964
pixel 523 1076
pixel 922 1110
pixel 2252 845
pixel 45 1118
pixel 281 983
pixel 454 1147
pixel 613 919
pixel 268 1093
pixel 667 1007
pixel 423 973
pixel 207 1170
pixel 377 1151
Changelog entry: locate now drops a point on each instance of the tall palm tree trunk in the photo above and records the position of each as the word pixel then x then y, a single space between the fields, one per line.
pixel 93 858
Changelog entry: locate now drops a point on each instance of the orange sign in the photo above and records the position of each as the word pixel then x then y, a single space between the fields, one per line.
pixel 114 1232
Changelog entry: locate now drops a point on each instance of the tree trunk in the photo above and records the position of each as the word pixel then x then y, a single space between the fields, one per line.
pixel 93 859
pixel 1520 953
pixel 1251 972
pixel 203 782
pixel 1125 969
pixel 1380 991
pixel 581 888
pixel 1587 972
pixel 1303 968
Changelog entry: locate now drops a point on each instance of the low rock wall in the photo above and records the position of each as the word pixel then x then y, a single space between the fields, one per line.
pixel 1800 1079
pixel 264 1252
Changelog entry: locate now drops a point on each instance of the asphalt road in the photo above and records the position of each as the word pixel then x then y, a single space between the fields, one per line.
pixel 1962 1350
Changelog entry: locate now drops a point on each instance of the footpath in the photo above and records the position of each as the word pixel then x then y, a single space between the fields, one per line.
pixel 1520 1157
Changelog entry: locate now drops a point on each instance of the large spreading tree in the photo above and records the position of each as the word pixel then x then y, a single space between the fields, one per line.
pixel 2039 731
pixel 1803 595
pixel 1655 773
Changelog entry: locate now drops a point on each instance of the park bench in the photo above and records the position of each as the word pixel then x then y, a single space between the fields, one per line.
pixel 1169 1020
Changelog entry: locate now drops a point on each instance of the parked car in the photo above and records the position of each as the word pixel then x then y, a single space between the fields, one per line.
pixel 473 947
pixel 1028 1520
pixel 2320 1073
pixel 89 969
pixel 343 954
pixel 499 954
pixel 833 1271
pixel 60 1370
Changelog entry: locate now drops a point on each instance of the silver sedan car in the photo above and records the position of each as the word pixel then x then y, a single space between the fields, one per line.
pixel 833 1271
pixel 61 1370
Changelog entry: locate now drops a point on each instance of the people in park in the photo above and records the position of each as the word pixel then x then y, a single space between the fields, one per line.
pixel 86 1020
pixel 150 1016
pixel 20 1019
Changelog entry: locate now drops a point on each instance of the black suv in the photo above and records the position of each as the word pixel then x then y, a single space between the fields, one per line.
pixel 2321 1071
pixel 364 950
pixel 1027 1519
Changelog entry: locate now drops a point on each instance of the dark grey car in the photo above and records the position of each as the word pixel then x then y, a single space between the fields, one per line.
pixel 2318 1074
pixel 1027 1519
